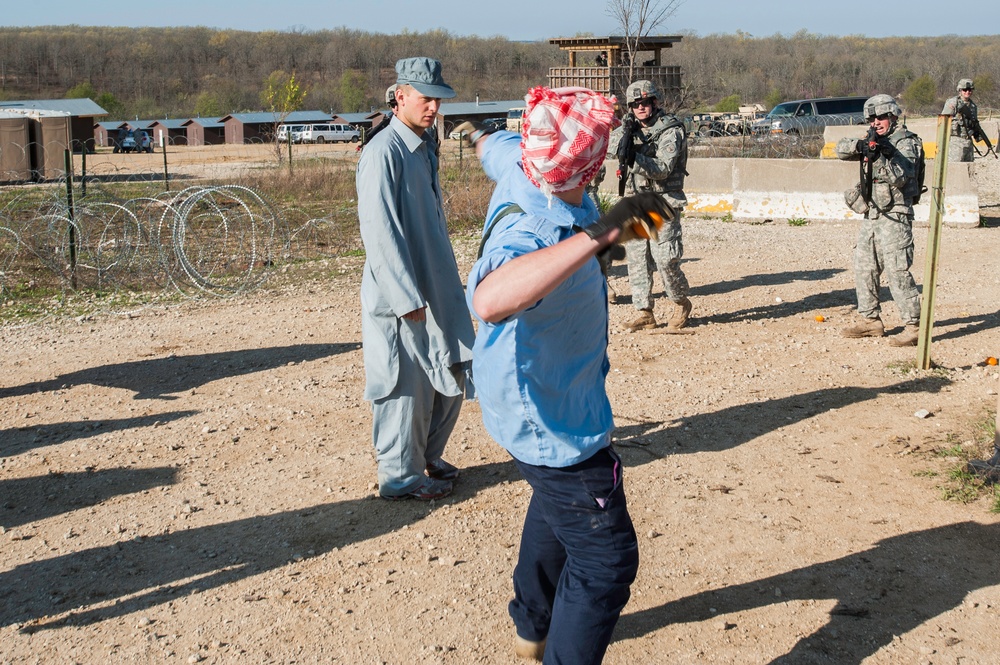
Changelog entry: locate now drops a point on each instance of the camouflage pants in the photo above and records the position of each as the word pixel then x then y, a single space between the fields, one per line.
pixel 959 149
pixel 886 245
pixel 645 255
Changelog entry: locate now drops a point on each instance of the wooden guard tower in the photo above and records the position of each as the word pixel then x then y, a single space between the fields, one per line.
pixel 588 70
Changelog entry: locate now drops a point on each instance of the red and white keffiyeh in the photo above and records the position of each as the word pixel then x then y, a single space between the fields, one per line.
pixel 565 137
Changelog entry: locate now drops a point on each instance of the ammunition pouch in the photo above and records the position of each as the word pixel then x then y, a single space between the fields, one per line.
pixel 855 201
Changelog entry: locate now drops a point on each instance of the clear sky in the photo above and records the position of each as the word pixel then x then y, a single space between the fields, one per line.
pixel 514 19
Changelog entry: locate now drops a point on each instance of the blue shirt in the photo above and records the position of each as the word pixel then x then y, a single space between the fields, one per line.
pixel 540 373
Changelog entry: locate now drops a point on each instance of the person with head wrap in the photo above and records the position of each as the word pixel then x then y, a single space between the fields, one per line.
pixel 415 328
pixel 540 362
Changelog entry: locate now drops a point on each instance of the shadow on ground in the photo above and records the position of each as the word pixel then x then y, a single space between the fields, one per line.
pixel 897 585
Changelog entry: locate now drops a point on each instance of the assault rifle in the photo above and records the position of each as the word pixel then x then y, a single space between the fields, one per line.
pixel 976 132
pixel 868 147
pixel 626 151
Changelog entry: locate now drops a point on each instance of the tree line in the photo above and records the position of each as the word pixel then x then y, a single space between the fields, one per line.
pixel 196 71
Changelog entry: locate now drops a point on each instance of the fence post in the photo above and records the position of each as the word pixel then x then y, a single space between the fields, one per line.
pixel 163 148
pixel 68 159
pixel 933 242
pixel 83 170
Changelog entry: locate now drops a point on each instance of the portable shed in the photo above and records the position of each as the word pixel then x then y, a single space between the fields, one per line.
pixel 204 131
pixel 15 158
pixel 81 113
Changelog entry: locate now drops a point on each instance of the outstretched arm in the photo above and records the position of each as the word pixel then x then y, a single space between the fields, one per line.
pixel 522 282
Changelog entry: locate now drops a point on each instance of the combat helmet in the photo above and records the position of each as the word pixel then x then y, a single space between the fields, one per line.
pixel 881 104
pixel 641 90
pixel 966 84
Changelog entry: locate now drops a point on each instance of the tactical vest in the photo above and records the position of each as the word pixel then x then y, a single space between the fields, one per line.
pixel 675 181
pixel 959 124
pixel 915 185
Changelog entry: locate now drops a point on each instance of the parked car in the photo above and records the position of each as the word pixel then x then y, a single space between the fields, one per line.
pixel 811 116
pixel 136 141
pixel 295 131
pixel 329 133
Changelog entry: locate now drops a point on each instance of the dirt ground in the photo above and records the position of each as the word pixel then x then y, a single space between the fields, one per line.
pixel 195 482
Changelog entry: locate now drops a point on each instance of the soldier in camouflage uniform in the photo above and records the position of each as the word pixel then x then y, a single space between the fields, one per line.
pixel 885 240
pixel 963 109
pixel 661 152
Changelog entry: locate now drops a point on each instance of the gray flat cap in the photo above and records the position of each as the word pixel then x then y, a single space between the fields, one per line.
pixel 424 74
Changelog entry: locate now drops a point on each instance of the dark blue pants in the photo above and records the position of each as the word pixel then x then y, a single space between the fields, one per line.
pixel 579 556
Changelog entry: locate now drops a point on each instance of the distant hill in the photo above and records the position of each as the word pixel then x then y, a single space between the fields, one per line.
pixel 183 72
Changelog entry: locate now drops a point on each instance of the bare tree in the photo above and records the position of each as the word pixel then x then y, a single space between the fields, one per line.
pixel 638 19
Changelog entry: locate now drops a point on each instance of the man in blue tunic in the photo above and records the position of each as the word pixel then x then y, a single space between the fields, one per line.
pixel 415 326
pixel 540 362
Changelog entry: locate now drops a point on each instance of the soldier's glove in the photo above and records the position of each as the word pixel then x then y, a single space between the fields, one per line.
pixel 638 216
pixel 887 149
pixel 472 131
pixel 869 149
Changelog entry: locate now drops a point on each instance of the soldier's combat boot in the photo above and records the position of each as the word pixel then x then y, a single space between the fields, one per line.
pixel 867 328
pixel 679 316
pixel 906 338
pixel 988 470
pixel 645 321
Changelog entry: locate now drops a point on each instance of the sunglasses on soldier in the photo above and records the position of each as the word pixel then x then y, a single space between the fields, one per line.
pixel 640 102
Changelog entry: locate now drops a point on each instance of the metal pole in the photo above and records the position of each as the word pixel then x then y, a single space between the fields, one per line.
pixel 289 135
pixel 83 170
pixel 67 158
pixel 163 148
pixel 933 242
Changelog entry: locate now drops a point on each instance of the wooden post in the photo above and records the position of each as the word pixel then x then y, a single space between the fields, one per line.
pixel 163 149
pixel 933 242
pixel 83 170
pixel 68 159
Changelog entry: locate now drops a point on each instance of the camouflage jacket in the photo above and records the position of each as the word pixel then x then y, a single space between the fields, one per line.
pixel 894 178
pixel 962 112
pixel 661 155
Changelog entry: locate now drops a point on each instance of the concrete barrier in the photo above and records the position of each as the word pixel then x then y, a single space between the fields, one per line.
pixel 759 190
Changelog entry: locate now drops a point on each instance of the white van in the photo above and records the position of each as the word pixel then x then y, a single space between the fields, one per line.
pixel 322 133
pixel 294 130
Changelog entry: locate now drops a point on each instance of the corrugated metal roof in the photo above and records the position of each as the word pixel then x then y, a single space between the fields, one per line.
pixel 112 124
pixel 267 116
pixel 498 109
pixel 355 117
pixel 173 123
pixel 75 107
pixel 204 122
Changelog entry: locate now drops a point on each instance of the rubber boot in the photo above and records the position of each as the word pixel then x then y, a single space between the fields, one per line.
pixel 987 470
pixel 645 321
pixel 527 649
pixel 679 315
pixel 906 338
pixel 867 328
